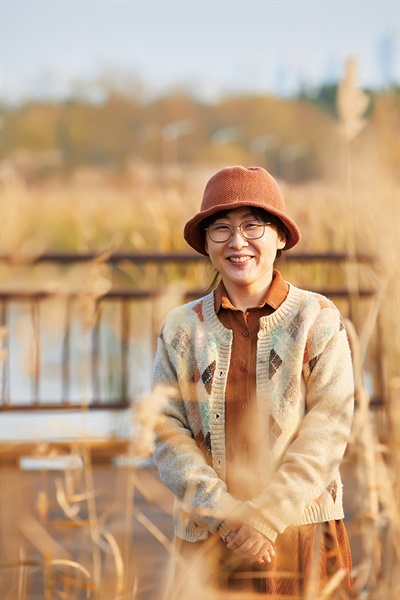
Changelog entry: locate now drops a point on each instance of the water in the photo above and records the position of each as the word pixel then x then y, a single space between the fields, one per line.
pixel 40 426
pixel 83 385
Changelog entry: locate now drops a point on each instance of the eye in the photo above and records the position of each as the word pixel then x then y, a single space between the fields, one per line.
pixel 250 225
pixel 220 227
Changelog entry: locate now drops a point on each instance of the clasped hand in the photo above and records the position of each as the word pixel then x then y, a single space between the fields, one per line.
pixel 250 544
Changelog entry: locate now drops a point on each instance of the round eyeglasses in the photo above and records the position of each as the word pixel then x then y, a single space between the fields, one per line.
pixel 249 230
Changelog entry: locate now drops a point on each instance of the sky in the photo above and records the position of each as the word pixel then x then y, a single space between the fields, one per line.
pixel 208 47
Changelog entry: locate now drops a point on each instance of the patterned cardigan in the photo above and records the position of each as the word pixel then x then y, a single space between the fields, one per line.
pixel 305 397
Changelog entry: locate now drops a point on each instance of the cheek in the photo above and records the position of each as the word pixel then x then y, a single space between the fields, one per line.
pixel 211 256
pixel 214 257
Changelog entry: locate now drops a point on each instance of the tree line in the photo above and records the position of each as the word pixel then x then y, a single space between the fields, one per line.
pixel 295 138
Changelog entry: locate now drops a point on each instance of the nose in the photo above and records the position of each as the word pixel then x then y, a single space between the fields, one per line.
pixel 237 240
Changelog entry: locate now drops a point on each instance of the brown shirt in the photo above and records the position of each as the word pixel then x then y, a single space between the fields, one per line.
pixel 242 423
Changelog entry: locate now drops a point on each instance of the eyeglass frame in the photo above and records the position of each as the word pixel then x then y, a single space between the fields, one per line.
pixel 264 225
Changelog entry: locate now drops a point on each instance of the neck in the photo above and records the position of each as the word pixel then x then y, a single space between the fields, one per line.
pixel 245 297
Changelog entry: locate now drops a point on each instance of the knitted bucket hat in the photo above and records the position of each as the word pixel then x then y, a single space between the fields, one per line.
pixel 232 188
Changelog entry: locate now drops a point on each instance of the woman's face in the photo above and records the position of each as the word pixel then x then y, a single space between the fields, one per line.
pixel 241 262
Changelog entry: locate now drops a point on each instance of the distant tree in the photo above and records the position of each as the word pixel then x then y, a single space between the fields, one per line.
pixel 295 138
pixel 324 97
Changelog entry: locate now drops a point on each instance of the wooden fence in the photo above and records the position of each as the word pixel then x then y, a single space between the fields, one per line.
pixel 23 386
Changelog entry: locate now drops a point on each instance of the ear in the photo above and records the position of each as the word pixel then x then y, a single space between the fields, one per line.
pixel 281 241
pixel 205 244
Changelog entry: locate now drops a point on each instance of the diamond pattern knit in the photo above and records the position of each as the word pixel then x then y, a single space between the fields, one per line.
pixel 305 399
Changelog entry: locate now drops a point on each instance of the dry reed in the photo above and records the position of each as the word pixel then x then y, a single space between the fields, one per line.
pixel 82 216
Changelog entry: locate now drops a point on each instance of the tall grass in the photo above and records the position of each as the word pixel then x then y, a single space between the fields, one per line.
pixel 78 535
pixel 101 215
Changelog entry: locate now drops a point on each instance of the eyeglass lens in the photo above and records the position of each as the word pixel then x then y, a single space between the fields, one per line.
pixel 250 230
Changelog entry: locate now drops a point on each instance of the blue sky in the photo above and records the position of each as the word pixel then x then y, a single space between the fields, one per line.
pixel 210 47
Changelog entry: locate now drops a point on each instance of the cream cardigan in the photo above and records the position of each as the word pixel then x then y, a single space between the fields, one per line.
pixel 305 398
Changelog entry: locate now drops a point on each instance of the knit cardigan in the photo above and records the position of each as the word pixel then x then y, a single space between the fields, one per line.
pixel 305 396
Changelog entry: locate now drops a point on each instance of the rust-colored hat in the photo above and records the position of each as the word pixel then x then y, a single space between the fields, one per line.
pixel 232 188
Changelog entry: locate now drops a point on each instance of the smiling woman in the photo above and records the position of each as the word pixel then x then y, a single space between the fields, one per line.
pixel 251 441
pixel 243 252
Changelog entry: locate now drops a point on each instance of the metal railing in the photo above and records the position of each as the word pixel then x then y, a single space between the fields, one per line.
pixel 124 349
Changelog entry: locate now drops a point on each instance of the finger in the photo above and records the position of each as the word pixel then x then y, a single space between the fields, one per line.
pixel 265 554
pixel 265 559
pixel 259 559
pixel 247 543
pixel 269 554
pixel 235 540
pixel 268 549
pixel 228 537
pixel 261 556
pixel 252 550
pixel 249 548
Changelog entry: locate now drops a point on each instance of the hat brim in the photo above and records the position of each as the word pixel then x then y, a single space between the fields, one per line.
pixel 194 237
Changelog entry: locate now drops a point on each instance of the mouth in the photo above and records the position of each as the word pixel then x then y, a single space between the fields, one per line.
pixel 239 259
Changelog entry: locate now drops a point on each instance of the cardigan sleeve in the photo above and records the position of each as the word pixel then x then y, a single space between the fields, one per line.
pixel 181 463
pixel 313 457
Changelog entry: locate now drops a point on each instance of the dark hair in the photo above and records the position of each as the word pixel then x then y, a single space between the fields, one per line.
pixel 260 214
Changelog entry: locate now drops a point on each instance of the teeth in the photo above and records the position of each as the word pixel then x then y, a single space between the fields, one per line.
pixel 239 259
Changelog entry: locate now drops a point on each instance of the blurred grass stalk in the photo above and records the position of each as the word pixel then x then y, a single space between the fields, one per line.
pixel 352 104
pixel 376 516
pixel 377 508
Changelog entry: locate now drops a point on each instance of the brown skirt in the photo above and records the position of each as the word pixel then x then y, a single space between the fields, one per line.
pixel 306 559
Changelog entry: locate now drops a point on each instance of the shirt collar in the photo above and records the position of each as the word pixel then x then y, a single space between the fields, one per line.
pixel 274 297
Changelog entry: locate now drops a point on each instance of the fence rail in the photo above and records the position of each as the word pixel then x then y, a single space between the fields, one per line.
pixel 113 344
pixel 176 257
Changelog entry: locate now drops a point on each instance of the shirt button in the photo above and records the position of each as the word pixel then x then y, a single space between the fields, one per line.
pixel 245 333
pixel 243 368
pixel 244 406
